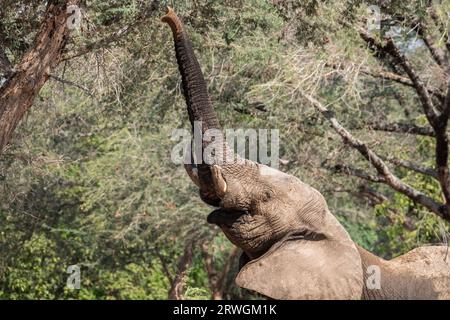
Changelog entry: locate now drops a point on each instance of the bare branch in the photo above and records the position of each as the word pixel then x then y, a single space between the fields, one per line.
pixel 391 76
pixel 382 169
pixel 259 106
pixel 365 193
pixel 437 53
pixel 399 127
pixel 372 195
pixel 401 60
pixel 68 82
pixel 395 77
pixel 413 167
pixel 350 171
pixel 210 270
pixel 421 90
pixel 372 42
pixel 437 121
pixel 442 149
pixel 165 267
pixel 226 269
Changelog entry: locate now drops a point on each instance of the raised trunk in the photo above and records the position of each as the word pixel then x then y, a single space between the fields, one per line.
pixel 198 102
pixel 18 93
pixel 195 90
pixel 211 183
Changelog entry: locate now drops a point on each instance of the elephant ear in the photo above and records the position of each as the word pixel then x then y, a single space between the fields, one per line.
pixel 306 266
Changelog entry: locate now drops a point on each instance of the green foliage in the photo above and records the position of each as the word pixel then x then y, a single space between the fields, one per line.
pixel 36 272
pixel 364 234
pixel 402 224
pixel 88 179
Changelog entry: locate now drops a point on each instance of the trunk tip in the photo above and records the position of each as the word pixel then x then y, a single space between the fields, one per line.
pixel 174 22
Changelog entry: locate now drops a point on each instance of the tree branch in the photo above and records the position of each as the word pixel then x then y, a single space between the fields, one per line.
pixel 427 103
pixel 226 270
pixel 437 53
pixel 391 76
pixel 442 149
pixel 382 169
pixel 68 82
pixel 350 171
pixel 118 34
pixel 165 267
pixel 401 60
pixel 217 280
pixel 413 167
pixel 363 191
pixel 372 195
pixel 177 289
pixel 437 121
pixel 395 77
pixel 398 127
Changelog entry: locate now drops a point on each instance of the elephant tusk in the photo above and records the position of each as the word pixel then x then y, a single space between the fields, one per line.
pixel 220 184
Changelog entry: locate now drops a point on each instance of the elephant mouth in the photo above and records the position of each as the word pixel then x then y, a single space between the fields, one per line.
pixel 243 229
pixel 223 217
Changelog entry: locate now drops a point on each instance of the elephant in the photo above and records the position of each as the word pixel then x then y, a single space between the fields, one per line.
pixel 293 246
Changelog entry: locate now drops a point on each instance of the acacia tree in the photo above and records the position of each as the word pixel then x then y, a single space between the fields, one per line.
pixel 25 80
pixel 35 61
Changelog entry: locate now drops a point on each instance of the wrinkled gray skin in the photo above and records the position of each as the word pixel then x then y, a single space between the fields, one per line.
pixel 293 247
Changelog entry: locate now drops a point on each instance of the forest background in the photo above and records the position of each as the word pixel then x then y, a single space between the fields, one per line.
pixel 86 177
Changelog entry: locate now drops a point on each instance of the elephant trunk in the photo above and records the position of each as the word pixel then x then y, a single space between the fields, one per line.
pixel 194 85
pixel 199 107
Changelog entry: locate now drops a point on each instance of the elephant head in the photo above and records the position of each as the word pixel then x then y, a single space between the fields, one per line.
pixel 293 247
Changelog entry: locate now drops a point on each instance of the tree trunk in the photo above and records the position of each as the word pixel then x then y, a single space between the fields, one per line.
pixel 218 279
pixel 19 91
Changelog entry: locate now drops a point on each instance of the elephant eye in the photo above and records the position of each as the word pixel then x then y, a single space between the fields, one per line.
pixel 266 196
